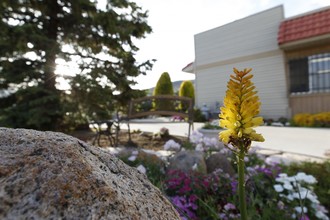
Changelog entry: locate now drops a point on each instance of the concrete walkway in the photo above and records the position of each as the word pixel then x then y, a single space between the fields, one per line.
pixel 299 142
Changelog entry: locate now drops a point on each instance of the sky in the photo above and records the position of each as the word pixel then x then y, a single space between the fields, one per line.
pixel 175 22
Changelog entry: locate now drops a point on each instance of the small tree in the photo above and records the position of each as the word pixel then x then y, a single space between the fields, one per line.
pixel 164 87
pixel 186 90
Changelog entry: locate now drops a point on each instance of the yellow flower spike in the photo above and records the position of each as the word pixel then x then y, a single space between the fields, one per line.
pixel 238 117
pixel 239 114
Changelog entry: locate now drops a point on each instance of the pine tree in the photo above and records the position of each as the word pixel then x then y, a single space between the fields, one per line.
pixel 164 87
pixel 36 33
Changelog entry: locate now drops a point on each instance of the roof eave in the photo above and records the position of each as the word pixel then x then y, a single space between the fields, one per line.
pixel 190 68
pixel 304 42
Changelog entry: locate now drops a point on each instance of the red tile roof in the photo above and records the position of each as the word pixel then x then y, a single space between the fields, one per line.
pixel 306 26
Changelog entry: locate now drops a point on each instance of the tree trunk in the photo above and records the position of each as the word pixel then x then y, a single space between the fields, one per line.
pixel 51 28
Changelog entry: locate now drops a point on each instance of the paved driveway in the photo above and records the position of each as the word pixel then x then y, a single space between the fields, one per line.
pixel 307 141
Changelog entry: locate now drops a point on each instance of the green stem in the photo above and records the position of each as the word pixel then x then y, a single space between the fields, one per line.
pixel 241 184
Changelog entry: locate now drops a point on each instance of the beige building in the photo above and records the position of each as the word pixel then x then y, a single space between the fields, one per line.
pixel 290 59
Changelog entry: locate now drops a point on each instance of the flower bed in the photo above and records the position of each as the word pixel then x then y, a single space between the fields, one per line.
pixel 274 190
pixel 202 185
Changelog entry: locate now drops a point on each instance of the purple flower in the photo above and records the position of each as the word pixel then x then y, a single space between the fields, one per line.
pixel 184 189
pixel 229 206
pixel 270 170
pixel 234 185
pixel 223 216
pixel 304 217
pixel 185 206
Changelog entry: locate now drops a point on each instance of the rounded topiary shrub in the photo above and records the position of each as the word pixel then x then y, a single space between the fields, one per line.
pixel 164 87
pixel 186 90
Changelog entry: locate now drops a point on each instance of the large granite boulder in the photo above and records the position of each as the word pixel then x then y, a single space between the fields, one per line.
pixel 48 175
pixel 219 161
pixel 188 161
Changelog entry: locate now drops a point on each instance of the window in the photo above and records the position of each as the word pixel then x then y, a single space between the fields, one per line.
pixel 310 73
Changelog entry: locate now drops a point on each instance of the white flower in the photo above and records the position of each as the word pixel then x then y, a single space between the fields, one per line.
pixel 142 169
pixel 313 198
pixel 291 179
pixel 225 151
pixel 251 170
pixel 282 177
pixel 278 188
pixel 172 145
pixel 280 205
pixel 298 196
pixel 253 150
pixel 194 167
pixel 231 147
pixel 135 152
pixel 212 143
pixel 302 177
pixel 132 158
pixel 288 186
pixel 199 147
pixel 229 206
pixel 321 215
pixel 298 209
pixel 320 211
pixel 303 192
pixel 196 137
pixel 290 197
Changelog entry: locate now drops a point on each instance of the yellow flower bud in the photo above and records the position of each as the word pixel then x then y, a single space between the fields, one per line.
pixel 241 107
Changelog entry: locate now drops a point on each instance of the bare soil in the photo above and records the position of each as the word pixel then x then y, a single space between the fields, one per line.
pixel 145 140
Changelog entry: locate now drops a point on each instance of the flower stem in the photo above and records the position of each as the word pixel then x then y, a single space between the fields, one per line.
pixel 241 183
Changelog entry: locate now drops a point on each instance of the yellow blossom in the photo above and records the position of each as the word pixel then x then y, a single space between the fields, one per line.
pixel 241 107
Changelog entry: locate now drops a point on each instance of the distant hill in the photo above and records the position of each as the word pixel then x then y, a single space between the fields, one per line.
pixel 176 86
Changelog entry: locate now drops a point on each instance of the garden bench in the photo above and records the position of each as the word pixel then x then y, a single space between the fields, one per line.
pixel 161 105
pixel 107 128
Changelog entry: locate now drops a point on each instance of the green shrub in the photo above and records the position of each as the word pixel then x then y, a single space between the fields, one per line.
pixel 198 116
pixel 164 87
pixel 155 169
pixel 312 120
pixel 186 90
pixel 210 126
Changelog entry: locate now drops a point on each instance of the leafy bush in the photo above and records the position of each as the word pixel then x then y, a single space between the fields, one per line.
pixel 283 120
pixel 198 116
pixel 211 126
pixel 312 120
pixel 153 165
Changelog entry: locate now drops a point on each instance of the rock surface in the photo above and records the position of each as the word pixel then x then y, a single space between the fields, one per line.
pixel 187 161
pixel 219 161
pixel 48 175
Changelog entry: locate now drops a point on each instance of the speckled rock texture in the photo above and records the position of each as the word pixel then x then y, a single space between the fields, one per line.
pixel 187 161
pixel 48 175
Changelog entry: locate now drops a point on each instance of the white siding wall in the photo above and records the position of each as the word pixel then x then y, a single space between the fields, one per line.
pixel 270 83
pixel 251 35
pixel 247 43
